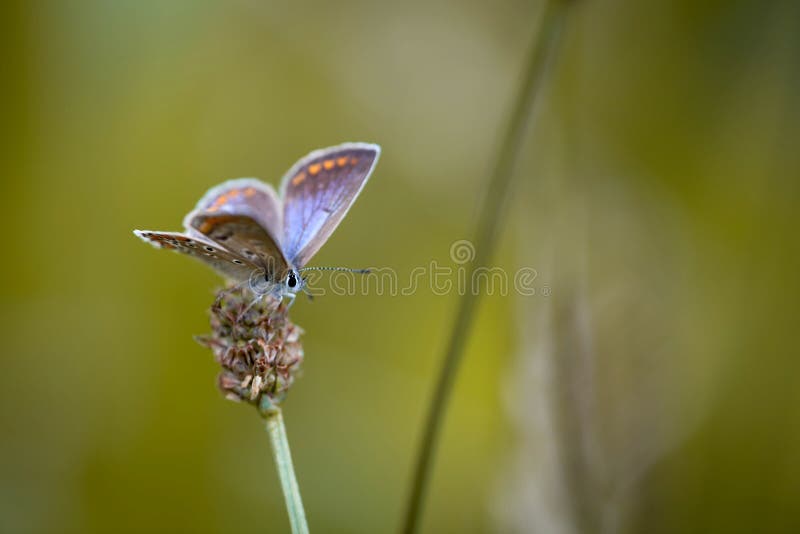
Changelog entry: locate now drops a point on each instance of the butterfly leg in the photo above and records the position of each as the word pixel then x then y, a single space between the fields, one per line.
pixel 226 292
pixel 256 299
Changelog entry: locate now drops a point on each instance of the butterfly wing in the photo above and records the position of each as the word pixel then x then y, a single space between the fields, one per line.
pixel 244 196
pixel 244 237
pixel 224 262
pixel 245 216
pixel 317 193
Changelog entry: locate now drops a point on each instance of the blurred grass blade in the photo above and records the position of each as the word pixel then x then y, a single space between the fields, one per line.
pixel 542 52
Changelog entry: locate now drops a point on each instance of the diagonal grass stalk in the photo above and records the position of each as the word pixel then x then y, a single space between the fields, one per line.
pixel 543 50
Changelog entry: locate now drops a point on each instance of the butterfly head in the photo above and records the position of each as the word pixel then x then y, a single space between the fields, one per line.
pixel 264 282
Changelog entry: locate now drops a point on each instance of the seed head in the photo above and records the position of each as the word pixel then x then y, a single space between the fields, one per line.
pixel 257 346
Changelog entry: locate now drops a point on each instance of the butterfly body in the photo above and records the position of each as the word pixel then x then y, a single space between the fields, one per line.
pixel 249 233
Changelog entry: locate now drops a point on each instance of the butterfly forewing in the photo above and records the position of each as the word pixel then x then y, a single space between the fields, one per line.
pixel 317 193
pixel 224 262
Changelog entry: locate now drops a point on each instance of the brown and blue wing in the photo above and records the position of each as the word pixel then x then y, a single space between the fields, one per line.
pixel 227 264
pixel 318 191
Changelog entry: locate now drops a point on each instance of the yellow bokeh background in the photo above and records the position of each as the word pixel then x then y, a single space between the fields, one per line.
pixel 648 386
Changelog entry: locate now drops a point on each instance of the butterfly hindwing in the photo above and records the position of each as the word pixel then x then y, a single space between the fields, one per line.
pixel 244 196
pixel 317 192
pixel 224 262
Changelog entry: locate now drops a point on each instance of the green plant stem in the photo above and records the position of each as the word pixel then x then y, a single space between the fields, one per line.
pixel 283 461
pixel 544 47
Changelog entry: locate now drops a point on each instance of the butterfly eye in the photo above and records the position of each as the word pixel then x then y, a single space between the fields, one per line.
pixel 291 281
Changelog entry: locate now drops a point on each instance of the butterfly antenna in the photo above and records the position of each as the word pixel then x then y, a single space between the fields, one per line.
pixel 345 269
pixel 307 291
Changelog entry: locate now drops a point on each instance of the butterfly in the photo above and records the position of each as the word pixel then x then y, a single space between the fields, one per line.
pixel 249 233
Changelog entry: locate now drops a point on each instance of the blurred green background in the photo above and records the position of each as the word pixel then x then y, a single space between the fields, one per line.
pixel 649 386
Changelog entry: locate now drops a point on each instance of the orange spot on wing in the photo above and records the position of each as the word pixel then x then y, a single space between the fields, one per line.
pixel 341 162
pixel 222 199
pixel 328 164
pixel 233 194
pixel 297 180
pixel 249 192
pixel 314 169
pixel 353 161
pixel 211 222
